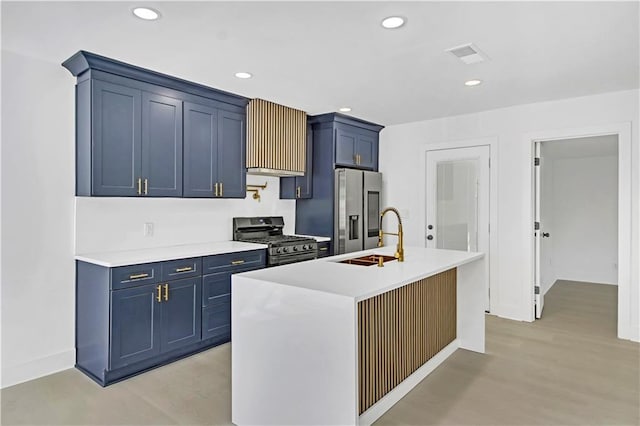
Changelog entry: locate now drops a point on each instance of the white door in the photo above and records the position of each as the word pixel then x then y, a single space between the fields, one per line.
pixel 537 290
pixel 457 201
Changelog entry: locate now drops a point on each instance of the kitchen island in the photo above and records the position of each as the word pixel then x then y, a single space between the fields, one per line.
pixel 325 342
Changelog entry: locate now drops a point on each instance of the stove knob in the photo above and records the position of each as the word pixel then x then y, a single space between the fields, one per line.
pixel 295 248
pixel 305 247
pixel 278 250
pixel 285 249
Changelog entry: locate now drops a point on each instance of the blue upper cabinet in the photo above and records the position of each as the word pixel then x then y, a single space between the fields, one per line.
pixel 116 159
pixel 214 147
pixel 231 155
pixel 300 186
pixel 161 146
pixel 356 147
pixel 200 151
pixel 133 126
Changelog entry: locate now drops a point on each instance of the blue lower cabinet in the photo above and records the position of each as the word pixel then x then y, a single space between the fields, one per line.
pixel 181 313
pixel 135 331
pixel 130 319
pixel 216 320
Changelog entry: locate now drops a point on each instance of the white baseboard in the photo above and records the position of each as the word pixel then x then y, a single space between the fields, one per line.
pixel 390 399
pixel 14 374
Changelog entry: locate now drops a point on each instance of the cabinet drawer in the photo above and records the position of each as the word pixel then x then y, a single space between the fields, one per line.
pixel 214 287
pixel 324 249
pixel 182 268
pixel 233 262
pixel 134 275
pixel 216 321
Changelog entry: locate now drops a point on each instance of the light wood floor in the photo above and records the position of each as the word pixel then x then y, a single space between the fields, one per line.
pixel 566 369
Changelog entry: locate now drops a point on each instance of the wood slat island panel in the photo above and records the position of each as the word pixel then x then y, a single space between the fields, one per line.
pixel 400 330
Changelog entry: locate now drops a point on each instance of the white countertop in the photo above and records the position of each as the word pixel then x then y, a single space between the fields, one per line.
pixel 318 239
pixel 159 254
pixel 361 282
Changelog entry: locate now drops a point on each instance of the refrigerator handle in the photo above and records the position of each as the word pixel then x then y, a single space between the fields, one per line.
pixel 354 226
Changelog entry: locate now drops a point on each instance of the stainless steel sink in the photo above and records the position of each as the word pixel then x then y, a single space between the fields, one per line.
pixel 368 260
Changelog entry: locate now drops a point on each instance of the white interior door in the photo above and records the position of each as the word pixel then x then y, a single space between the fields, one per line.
pixel 457 201
pixel 538 293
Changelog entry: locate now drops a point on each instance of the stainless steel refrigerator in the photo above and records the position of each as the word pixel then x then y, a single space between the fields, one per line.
pixel 356 210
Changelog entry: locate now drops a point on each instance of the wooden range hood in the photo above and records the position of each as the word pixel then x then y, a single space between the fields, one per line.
pixel 276 139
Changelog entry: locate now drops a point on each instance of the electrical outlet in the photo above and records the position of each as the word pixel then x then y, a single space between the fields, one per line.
pixel 148 229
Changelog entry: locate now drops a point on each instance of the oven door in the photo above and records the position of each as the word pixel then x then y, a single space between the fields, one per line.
pixel 284 259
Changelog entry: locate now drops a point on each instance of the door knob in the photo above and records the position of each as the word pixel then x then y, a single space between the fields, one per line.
pixel 545 235
pixel 429 237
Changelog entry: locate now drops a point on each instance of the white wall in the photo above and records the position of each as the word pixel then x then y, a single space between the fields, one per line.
pixel 37 218
pixel 585 217
pixel 107 224
pixel 402 149
pixel 38 172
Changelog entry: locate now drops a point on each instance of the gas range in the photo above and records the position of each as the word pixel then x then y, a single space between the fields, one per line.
pixel 282 249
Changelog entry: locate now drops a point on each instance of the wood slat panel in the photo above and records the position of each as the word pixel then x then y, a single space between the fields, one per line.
pixel 400 330
pixel 276 136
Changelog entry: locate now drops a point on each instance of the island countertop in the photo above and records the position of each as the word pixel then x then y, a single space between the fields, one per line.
pixel 362 282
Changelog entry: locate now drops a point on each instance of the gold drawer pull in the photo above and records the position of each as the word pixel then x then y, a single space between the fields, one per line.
pixel 185 269
pixel 237 262
pixel 159 294
pixel 323 249
pixel 136 276
pixel 166 292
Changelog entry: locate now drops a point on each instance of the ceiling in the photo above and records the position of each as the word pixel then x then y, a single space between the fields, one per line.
pixel 319 56
pixel 594 146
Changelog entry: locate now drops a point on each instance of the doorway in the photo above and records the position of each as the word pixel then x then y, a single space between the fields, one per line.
pixel 457 201
pixel 576 213
pixel 626 328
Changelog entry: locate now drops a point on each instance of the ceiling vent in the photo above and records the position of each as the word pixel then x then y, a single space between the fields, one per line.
pixel 276 139
pixel 468 53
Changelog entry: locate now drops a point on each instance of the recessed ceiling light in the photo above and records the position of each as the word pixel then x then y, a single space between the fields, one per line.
pixel 146 13
pixel 244 75
pixel 344 109
pixel 392 22
pixel 472 82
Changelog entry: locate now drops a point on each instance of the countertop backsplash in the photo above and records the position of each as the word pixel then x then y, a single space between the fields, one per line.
pixel 111 224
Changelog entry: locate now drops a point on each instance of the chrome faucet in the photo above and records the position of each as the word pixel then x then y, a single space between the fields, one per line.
pixel 399 254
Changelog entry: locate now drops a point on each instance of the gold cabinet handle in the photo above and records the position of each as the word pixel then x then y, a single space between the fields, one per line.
pixel 323 249
pixel 237 262
pixel 355 158
pixel 159 293
pixel 166 292
pixel 298 192
pixel 185 269
pixel 146 186
pixel 216 190
pixel 139 186
pixel 136 276
pixel 221 191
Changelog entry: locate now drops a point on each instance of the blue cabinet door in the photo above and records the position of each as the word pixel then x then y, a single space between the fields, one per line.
pixel 300 186
pixel 116 135
pixel 216 306
pixel 181 313
pixel 367 149
pixel 231 154
pixel 161 145
pixel 345 143
pixel 200 150
pixel 135 325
